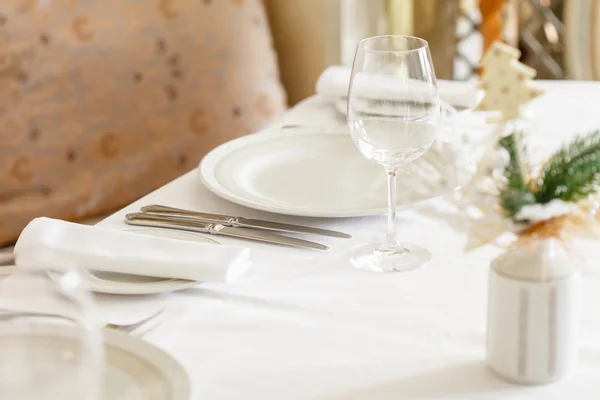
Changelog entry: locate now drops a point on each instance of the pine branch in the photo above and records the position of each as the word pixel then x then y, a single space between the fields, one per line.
pixel 573 172
pixel 513 171
pixel 517 191
pixel 579 179
pixel 512 200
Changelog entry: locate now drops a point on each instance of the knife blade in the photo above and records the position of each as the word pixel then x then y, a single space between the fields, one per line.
pixel 240 222
pixel 187 224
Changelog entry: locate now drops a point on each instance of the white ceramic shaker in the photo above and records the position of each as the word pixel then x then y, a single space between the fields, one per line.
pixel 533 313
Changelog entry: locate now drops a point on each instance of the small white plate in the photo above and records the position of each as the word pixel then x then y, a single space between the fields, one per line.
pixel 134 369
pixel 316 173
pixel 127 284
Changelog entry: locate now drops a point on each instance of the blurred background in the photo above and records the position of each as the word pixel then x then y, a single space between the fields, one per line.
pixel 556 37
pixel 102 102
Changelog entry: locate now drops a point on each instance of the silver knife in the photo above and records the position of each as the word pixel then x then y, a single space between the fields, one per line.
pixel 239 222
pixel 187 224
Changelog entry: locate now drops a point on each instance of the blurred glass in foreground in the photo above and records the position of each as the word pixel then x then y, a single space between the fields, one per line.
pixel 50 343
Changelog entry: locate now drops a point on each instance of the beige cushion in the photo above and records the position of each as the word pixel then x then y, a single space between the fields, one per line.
pixel 103 101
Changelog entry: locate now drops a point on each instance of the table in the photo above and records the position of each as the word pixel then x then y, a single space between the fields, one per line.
pixel 305 325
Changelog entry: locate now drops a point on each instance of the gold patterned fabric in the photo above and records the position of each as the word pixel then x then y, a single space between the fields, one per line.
pixel 104 101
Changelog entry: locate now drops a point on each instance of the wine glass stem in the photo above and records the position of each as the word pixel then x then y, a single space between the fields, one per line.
pixel 391 240
pixel 391 228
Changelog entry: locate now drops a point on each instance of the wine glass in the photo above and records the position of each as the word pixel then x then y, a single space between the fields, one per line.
pixel 50 342
pixel 393 115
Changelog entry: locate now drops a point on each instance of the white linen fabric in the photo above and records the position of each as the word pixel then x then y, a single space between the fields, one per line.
pixel 52 243
pixel 304 325
pixel 334 81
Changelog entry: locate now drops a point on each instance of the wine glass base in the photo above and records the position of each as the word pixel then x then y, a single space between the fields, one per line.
pixel 401 257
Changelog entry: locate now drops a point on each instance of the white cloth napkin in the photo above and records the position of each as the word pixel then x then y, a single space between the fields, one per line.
pixel 53 243
pixel 334 81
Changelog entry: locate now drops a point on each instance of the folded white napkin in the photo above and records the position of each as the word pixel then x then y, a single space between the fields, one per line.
pixel 334 81
pixel 53 243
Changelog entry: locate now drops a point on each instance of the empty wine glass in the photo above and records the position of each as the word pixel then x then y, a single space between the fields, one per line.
pixel 50 343
pixel 393 115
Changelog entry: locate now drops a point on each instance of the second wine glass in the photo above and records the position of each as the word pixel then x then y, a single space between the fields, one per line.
pixel 393 115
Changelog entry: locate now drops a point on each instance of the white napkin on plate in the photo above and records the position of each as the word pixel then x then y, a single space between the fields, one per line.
pixel 334 81
pixel 52 243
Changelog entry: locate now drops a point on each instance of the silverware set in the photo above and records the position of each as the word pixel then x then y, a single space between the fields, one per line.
pixel 215 224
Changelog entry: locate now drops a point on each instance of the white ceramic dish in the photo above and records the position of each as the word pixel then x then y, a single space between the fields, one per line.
pixel 127 284
pixel 315 173
pixel 135 369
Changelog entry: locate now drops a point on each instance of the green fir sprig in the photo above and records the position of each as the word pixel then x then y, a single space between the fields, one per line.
pixel 517 191
pixel 571 174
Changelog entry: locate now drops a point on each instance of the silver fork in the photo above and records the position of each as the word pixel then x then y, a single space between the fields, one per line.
pixel 129 328
pixel 125 328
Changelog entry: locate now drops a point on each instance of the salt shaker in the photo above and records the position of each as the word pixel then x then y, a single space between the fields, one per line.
pixel 533 313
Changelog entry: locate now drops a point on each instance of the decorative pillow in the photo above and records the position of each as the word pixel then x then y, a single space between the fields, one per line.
pixel 102 101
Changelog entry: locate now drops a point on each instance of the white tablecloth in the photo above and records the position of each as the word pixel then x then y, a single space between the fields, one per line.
pixel 305 325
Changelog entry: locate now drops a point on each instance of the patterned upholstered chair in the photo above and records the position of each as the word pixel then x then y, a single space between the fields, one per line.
pixel 103 101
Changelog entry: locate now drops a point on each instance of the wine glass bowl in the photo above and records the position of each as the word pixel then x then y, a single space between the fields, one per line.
pixel 393 114
pixel 50 340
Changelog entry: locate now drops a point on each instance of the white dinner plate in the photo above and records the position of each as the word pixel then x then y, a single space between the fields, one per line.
pixel 127 284
pixel 316 173
pixel 135 370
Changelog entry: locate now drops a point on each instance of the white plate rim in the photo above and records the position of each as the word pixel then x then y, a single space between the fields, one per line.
pixel 162 361
pixel 208 164
pixel 167 285
pixel 106 286
pixel 169 367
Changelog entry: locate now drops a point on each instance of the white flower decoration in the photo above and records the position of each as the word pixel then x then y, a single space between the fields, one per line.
pixel 543 212
pixel 499 159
